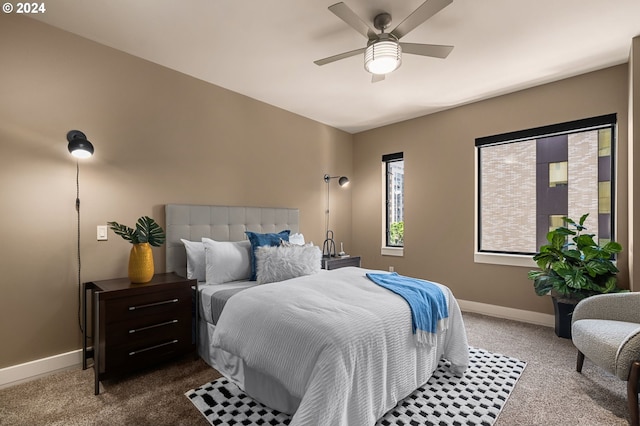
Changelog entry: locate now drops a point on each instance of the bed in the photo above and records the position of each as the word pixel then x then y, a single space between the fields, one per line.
pixel 328 347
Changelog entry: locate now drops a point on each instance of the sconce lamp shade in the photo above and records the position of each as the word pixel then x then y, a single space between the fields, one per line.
pixel 79 146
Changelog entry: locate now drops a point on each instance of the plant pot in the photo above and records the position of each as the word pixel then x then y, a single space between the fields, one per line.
pixel 563 309
pixel 141 263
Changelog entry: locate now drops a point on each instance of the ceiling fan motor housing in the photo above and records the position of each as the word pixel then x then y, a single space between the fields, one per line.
pixel 382 21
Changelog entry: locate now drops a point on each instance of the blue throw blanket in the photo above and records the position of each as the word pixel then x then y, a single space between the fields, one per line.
pixel 426 300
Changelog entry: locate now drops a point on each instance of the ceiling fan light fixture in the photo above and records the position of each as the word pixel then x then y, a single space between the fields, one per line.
pixel 382 56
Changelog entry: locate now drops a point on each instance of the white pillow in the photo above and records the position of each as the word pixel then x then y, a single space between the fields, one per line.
pixel 227 261
pixel 195 260
pixel 281 263
pixel 297 239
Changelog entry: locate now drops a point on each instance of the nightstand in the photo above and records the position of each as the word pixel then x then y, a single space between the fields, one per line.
pixel 340 262
pixel 137 325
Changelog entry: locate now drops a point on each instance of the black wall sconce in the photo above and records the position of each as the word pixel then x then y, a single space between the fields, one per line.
pixel 79 146
pixel 329 245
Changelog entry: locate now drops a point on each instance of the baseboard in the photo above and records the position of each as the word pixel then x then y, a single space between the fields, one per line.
pixel 31 370
pixel 41 367
pixel 530 317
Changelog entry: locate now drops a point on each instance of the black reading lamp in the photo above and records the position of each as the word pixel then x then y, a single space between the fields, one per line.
pixel 79 147
pixel 329 245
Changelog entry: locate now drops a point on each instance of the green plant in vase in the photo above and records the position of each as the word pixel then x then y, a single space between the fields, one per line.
pixel 574 266
pixel 147 233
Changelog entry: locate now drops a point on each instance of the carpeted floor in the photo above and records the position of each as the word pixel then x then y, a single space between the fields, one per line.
pixel 549 392
pixel 153 397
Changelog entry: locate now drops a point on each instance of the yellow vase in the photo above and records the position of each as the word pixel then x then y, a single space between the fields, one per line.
pixel 141 263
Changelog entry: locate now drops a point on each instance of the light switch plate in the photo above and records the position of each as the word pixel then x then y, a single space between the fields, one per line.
pixel 102 233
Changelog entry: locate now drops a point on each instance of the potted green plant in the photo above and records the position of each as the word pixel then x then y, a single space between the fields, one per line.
pixel 147 233
pixel 573 266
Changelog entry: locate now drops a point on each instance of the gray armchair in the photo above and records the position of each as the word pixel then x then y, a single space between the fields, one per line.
pixel 606 330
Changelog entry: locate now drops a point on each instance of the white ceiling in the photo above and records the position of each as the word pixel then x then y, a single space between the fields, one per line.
pixel 265 49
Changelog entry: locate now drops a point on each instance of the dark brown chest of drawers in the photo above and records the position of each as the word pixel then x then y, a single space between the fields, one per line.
pixel 137 325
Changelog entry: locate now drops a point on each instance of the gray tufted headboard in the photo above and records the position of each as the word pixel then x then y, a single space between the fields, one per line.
pixel 220 223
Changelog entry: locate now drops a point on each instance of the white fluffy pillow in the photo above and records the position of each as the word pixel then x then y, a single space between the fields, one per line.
pixel 195 260
pixel 284 262
pixel 227 261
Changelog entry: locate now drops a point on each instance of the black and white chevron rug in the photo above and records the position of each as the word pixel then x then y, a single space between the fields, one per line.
pixel 476 398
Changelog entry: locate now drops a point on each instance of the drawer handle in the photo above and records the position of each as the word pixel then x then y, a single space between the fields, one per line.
pixel 149 305
pixel 135 330
pixel 150 348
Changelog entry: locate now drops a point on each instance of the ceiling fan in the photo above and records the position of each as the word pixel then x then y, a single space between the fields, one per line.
pixel 383 53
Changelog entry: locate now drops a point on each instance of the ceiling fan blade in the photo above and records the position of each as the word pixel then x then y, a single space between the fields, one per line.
pixel 338 57
pixel 343 12
pixel 433 50
pixel 377 77
pixel 421 14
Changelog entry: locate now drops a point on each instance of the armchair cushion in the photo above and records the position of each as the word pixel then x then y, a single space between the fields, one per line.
pixel 612 345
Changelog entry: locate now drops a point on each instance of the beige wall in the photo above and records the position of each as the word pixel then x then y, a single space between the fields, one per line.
pixel 439 184
pixel 160 137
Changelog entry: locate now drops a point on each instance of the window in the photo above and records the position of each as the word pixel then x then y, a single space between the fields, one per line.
pixel 528 180
pixel 558 174
pixel 555 221
pixel 394 201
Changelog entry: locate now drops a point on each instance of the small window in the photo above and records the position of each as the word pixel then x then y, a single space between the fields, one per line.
pixel 604 197
pixel 556 221
pixel 394 200
pixel 604 142
pixel 558 175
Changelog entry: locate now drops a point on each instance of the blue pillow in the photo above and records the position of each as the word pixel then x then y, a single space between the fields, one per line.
pixel 258 240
